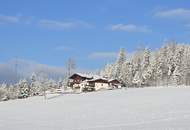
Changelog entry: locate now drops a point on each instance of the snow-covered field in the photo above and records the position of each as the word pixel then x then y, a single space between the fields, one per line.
pixel 143 108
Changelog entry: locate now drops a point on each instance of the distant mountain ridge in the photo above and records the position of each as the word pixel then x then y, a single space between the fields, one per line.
pixel 15 69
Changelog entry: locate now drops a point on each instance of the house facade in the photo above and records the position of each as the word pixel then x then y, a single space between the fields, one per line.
pixel 99 83
pixel 76 79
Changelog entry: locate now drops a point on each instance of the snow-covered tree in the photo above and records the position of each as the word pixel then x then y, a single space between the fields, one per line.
pixel 161 67
pixel 127 74
pixel 3 92
pixel 147 76
pixel 34 86
pixel 146 58
pixel 169 65
pixel 12 92
pixel 146 67
pixel 121 59
pixel 179 67
pixel 60 83
pixel 108 71
pixel 114 70
pixel 137 80
pixel 24 90
pixel 71 66
pixel 186 65
pixel 137 68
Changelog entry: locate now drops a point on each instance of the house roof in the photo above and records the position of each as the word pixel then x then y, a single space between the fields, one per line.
pixel 93 78
pixel 110 80
pixel 98 78
pixel 82 75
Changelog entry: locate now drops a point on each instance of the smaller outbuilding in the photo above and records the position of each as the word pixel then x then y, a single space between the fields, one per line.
pixel 115 83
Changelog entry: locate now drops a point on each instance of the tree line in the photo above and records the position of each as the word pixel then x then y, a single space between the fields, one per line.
pixel 36 84
pixel 169 65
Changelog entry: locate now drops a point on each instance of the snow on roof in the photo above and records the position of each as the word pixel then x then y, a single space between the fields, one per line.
pixel 98 78
pixel 89 76
pixel 112 80
pixel 93 77
pixel 83 75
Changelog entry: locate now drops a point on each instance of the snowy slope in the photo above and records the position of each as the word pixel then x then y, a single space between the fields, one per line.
pixel 143 108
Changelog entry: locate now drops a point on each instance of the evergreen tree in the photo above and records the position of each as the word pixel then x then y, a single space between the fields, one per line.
pixel 120 61
pixel 179 67
pixel 137 80
pixel 127 74
pixel 137 69
pixel 34 86
pixel 23 89
pixel 146 70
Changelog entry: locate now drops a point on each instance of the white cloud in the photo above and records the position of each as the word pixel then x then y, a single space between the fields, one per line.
pixel 19 18
pixel 4 19
pixel 63 25
pixel 102 55
pixel 129 28
pixel 14 69
pixel 64 48
pixel 178 13
pixel 46 23
pixel 56 24
pixel 188 25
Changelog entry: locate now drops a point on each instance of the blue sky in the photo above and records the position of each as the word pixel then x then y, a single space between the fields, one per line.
pixel 90 31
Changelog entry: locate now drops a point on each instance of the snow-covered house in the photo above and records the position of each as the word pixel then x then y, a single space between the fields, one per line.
pixel 76 79
pixel 85 82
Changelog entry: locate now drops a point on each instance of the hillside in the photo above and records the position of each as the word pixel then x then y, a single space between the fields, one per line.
pixel 147 108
